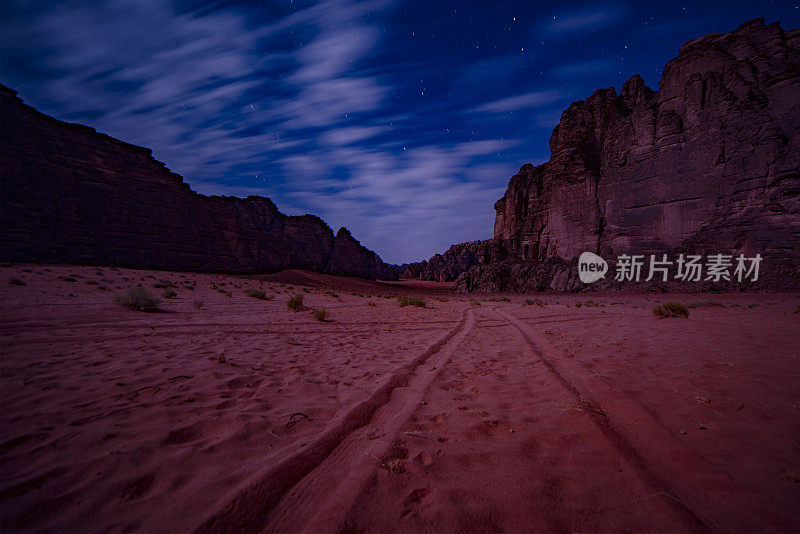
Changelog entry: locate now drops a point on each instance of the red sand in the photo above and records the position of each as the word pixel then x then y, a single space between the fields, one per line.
pixel 463 416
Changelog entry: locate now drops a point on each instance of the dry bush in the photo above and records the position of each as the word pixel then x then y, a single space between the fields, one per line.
pixel 295 303
pixel 671 309
pixel 256 293
pixel 411 301
pixel 138 299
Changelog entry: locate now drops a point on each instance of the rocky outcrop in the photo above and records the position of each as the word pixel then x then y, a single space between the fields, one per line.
pixel 72 195
pixel 446 267
pixel 709 163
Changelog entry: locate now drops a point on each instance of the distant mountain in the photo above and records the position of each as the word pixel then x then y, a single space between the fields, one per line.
pixel 709 163
pixel 71 195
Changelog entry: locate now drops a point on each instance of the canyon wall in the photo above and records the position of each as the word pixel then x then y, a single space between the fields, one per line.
pixel 709 163
pixel 71 195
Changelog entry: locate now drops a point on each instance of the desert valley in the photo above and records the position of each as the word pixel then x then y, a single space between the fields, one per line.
pixel 177 362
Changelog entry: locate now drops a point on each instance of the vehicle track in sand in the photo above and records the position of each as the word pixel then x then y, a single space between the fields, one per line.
pixel 287 495
pixel 492 428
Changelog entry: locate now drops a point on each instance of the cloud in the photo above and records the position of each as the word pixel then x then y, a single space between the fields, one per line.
pixel 585 68
pixel 352 134
pixel 519 102
pixel 582 19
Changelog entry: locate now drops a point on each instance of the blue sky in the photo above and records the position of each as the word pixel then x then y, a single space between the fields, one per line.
pixel 401 120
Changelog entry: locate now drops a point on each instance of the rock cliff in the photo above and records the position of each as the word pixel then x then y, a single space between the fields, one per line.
pixel 71 195
pixel 709 163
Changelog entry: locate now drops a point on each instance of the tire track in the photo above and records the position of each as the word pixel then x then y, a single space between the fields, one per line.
pixel 711 499
pixel 300 493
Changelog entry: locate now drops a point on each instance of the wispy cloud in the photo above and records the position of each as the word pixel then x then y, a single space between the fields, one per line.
pixel 582 19
pixel 586 68
pixel 515 103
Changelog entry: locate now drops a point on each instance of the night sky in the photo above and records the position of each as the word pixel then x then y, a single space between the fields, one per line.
pixel 402 120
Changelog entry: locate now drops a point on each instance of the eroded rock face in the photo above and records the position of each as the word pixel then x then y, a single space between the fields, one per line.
pixel 446 267
pixel 710 163
pixel 72 195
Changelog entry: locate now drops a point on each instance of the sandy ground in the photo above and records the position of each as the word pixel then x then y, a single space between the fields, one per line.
pixel 474 414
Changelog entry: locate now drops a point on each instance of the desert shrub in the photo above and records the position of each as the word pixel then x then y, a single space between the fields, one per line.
pixel 168 294
pixel 67 279
pixel 578 304
pixel 16 282
pixel 500 299
pixel 474 302
pixel 671 309
pixel 163 284
pixel 92 282
pixel 411 301
pixel 256 293
pixel 198 304
pixel 138 299
pixel 332 294
pixel 320 314
pixel 706 304
pixel 295 303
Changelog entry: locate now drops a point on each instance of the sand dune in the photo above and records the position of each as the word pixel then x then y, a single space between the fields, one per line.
pixel 475 413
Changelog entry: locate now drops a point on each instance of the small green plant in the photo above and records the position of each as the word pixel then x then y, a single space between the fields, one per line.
pixel 332 294
pixel 16 282
pixel 256 293
pixel 168 294
pixel 320 314
pixel 671 309
pixel 411 301
pixel 138 299
pixel 295 303
pixel 198 304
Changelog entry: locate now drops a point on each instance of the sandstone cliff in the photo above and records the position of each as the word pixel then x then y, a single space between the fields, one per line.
pixel 709 163
pixel 72 195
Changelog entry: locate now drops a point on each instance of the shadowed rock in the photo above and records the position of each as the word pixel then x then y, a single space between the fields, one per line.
pixel 72 195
